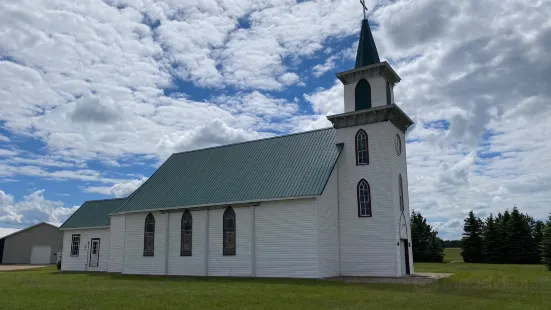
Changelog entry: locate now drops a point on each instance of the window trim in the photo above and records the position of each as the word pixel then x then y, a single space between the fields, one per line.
pixel 183 232
pixel 401 193
pixel 370 211
pixel 147 252
pixel 72 245
pixel 388 93
pixel 225 250
pixel 370 99
pixel 398 144
pixel 366 148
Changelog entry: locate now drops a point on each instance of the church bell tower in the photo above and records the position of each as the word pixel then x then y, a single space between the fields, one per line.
pixel 374 229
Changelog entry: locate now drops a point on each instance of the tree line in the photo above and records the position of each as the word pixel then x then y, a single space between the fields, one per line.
pixel 510 237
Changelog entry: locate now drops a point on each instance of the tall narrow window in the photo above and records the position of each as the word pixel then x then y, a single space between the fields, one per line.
pixel 186 230
pixel 388 92
pixel 362 152
pixel 364 199
pixel 363 95
pixel 229 231
pixel 75 245
pixel 401 187
pixel 149 236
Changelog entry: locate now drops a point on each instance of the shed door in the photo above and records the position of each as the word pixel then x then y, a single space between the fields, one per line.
pixel 40 254
pixel 94 253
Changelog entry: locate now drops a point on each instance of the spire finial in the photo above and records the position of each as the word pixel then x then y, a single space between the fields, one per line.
pixel 364 8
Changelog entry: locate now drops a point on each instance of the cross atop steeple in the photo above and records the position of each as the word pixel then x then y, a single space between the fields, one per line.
pixel 364 8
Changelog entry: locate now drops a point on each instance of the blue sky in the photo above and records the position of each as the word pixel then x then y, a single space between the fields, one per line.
pixel 94 96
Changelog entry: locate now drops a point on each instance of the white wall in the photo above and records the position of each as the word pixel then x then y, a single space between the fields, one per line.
pixel 399 166
pixel 368 245
pixel 236 265
pixel 116 249
pixel 80 262
pixel 187 265
pixel 134 262
pixel 327 227
pixel 286 239
pixel 378 93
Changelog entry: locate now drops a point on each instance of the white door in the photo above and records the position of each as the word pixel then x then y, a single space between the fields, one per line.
pixel 94 253
pixel 40 254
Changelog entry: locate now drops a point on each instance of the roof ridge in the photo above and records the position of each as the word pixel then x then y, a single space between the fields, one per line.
pixel 251 141
pixel 106 199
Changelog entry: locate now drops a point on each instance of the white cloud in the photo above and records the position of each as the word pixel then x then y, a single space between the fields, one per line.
pixel 4 138
pixel 33 209
pixel 119 190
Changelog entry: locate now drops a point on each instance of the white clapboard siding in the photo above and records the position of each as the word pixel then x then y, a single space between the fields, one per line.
pixel 236 265
pixel 187 265
pixel 327 226
pixel 134 262
pixel 80 262
pixel 378 93
pixel 286 239
pixel 368 245
pixel 116 249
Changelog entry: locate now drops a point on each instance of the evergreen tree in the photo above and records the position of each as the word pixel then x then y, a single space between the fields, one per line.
pixel 436 249
pixel 538 236
pixel 546 244
pixel 420 237
pixel 522 246
pixel 502 223
pixel 491 241
pixel 472 240
pixel 426 246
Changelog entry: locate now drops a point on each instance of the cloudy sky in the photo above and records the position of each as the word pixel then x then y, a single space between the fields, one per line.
pixel 94 95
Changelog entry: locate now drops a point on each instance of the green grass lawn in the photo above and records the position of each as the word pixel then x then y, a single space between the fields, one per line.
pixel 474 286
pixel 452 254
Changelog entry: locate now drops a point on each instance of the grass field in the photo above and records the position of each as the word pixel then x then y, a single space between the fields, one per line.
pixel 473 286
pixel 452 255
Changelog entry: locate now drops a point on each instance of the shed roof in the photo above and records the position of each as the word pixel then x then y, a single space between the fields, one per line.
pixel 93 213
pixel 28 228
pixel 296 165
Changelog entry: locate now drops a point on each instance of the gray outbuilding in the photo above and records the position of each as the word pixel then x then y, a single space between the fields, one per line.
pixel 35 245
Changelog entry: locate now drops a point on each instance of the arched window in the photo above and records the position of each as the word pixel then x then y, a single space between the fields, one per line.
pixel 229 231
pixel 364 199
pixel 149 236
pixel 363 95
pixel 186 234
pixel 401 187
pixel 388 92
pixel 362 152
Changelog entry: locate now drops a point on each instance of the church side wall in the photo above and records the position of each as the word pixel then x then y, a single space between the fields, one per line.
pixel 80 262
pixel 327 226
pixel 133 261
pixel 286 239
pixel 116 248
pixel 236 265
pixel 378 93
pixel 403 226
pixel 187 265
pixel 368 244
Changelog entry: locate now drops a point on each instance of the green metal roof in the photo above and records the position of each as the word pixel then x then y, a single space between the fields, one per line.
pixel 367 51
pixel 93 213
pixel 296 165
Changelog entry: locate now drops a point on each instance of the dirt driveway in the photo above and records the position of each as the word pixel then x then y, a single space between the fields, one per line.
pixel 18 267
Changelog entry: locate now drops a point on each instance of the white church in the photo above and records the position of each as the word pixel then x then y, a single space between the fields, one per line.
pixel 318 204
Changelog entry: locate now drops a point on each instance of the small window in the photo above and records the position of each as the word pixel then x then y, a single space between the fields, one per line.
pixel 398 144
pixel 186 231
pixel 149 236
pixel 75 245
pixel 229 232
pixel 388 93
pixel 401 187
pixel 363 95
pixel 362 152
pixel 364 199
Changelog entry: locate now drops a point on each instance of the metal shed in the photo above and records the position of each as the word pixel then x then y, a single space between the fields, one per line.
pixel 36 245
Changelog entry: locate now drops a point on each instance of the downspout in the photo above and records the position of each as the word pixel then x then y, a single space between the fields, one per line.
pixel 207 242
pixel 166 243
pixel 253 242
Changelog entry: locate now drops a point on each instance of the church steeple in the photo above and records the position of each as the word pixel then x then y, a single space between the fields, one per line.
pixel 367 51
